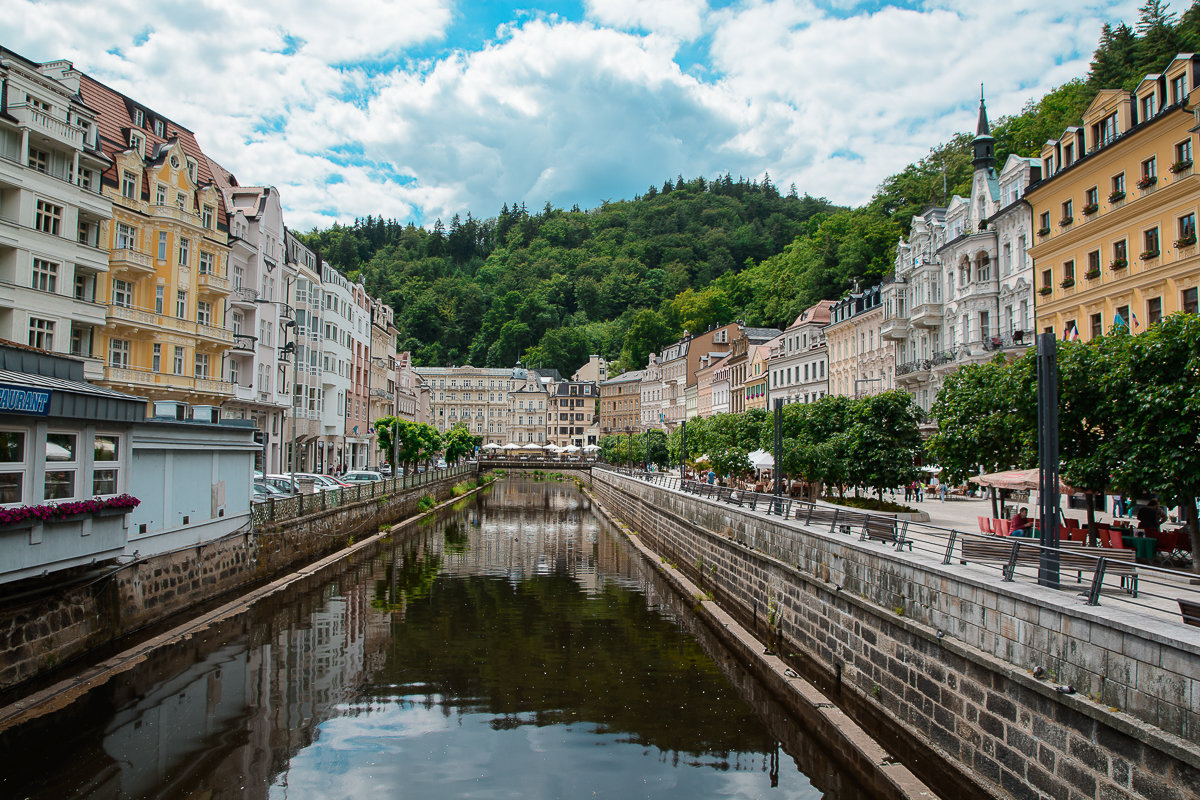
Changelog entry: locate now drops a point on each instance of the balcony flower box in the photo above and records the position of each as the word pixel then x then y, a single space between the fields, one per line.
pixel 1043 232
pixel 1149 254
pixel 1092 274
pixel 1116 197
pixel 1065 221
pixel 1186 241
pixel 1119 263
pixel 1045 290
pixel 1090 208
pixel 1147 182
pixel 1180 166
pixel 1067 283
pixel 66 512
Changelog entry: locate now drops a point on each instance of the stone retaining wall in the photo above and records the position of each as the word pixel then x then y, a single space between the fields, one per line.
pixel 937 662
pixel 42 632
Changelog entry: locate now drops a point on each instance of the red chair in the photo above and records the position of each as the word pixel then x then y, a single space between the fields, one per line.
pixel 985 525
pixel 1076 534
pixel 1111 537
pixel 1002 527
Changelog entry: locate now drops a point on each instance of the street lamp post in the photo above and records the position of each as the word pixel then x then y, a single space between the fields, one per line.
pixel 682 451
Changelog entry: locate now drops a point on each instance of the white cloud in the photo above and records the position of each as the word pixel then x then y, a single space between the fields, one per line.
pixel 324 101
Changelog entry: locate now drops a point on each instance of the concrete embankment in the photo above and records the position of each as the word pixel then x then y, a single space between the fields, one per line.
pixel 933 661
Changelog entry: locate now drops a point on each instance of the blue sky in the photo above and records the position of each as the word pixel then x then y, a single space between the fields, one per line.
pixel 420 109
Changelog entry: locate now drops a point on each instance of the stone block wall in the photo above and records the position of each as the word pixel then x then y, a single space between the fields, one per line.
pixel 940 660
pixel 47 629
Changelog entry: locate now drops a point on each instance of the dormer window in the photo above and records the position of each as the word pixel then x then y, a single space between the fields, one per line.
pixel 139 119
pixel 1179 89
pixel 191 170
pixel 1068 155
pixel 1149 106
pixel 158 128
pixel 137 142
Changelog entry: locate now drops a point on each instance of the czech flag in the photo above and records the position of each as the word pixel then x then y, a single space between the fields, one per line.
pixel 1134 316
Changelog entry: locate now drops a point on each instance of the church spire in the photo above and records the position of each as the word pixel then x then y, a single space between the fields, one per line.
pixel 983 145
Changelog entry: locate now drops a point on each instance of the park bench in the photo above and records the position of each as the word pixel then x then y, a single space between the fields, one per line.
pixel 1190 610
pixel 1073 556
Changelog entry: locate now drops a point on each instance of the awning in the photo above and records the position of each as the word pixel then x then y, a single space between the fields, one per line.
pixel 1018 479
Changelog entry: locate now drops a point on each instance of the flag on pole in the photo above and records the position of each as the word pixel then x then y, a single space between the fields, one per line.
pixel 1134 316
pixel 1119 320
pixel 1072 334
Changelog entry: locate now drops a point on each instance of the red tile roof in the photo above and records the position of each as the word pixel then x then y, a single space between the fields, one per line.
pixel 114 119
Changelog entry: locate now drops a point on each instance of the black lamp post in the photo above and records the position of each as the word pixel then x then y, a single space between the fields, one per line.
pixel 682 451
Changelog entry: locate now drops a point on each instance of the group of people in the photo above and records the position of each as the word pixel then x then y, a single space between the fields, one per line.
pixel 1150 518
pixel 917 490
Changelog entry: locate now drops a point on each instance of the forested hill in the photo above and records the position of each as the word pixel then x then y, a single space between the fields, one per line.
pixel 552 287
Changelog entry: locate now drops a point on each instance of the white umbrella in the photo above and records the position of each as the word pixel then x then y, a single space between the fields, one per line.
pixel 493 446
pixel 761 459
pixel 571 449
pixel 512 446
pixel 553 448
pixel 591 448
pixel 931 468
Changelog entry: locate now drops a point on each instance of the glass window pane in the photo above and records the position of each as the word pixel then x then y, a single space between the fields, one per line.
pixel 104 481
pixel 12 447
pixel 10 487
pixel 106 448
pixel 60 447
pixel 60 484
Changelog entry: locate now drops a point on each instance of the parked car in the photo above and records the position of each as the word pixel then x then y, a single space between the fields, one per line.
pixel 440 464
pixel 260 490
pixel 362 476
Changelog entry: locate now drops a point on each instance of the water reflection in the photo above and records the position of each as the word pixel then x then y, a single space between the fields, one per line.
pixel 514 647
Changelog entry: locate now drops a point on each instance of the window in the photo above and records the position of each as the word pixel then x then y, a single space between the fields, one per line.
pixel 1122 317
pixel 61 460
pixel 122 293
pixel 185 251
pixel 137 143
pixel 49 217
pixel 181 304
pixel 204 313
pixel 206 263
pixel 159 291
pixel 106 458
pixel 1047 280
pixel 1190 301
pixel 139 118
pixel 1091 200
pixel 1105 131
pixel 1179 89
pixel 1097 325
pixel 41 333
pixel 1068 270
pixel 206 217
pixel 45 275
pixel 159 128
pixel 1045 223
pixel 126 236
pixel 12 465
pixel 118 353
pixel 201 365
pixel 178 360
pixel 1150 243
pixel 160 195
pixel 156 358
pixel 1187 230
pixel 39 160
pixel 128 185
pixel 1153 310
pixel 1149 173
pixel 1118 187
pixel 1183 155
pixel 1093 264
pixel 1120 251
pixel 191 166
pixel 1149 105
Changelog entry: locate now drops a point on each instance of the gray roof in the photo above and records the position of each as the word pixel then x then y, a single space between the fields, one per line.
pixel 761 335
pixel 79 400
pixel 626 377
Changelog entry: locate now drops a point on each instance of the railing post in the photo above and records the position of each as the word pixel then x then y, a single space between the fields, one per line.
pixel 1093 598
pixel 1011 567
pixel 833 525
pixel 950 547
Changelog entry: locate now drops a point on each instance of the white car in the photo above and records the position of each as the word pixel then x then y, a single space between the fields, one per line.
pixel 362 476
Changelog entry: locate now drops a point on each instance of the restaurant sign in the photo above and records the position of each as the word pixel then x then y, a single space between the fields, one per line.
pixel 23 400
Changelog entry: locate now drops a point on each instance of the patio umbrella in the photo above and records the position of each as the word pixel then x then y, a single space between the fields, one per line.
pixel 512 446
pixel 589 448
pixel 1018 479
pixel 493 446
pixel 761 459
pixel 572 448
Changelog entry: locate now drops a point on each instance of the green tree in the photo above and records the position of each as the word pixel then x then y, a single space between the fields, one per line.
pixel 458 442
pixel 882 441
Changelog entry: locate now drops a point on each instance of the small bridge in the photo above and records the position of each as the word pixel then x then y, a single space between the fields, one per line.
pixel 545 464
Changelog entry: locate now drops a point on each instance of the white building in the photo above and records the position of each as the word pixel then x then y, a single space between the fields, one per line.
pixel 299 366
pixel 799 362
pixel 339 335
pixel 51 213
pixel 651 402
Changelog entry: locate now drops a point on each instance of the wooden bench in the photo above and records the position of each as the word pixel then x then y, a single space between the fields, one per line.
pixel 879 529
pixel 1073 556
pixel 1190 610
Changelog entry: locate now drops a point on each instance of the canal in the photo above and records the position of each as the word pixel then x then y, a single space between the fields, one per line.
pixel 513 646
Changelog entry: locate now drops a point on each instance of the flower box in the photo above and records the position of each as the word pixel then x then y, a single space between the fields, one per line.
pixel 1180 166
pixel 67 512
pixel 1149 254
pixel 1147 182
pixel 1067 283
pixel 1116 196
pixel 1092 274
pixel 1090 208
pixel 1066 221
pixel 1186 241
pixel 1119 263
pixel 1045 290
pixel 1043 232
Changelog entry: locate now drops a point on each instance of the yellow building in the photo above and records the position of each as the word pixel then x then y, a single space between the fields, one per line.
pixel 1115 218
pixel 166 289
pixel 756 376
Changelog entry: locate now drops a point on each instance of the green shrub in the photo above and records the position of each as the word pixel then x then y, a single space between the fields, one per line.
pixel 870 504
pixel 459 489
pixel 425 503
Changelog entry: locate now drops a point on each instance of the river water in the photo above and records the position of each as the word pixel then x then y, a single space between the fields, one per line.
pixel 513 647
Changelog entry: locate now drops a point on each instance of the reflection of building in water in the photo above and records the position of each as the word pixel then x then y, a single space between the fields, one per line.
pixel 220 723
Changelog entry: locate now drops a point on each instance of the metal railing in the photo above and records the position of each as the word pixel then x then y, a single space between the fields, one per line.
pixel 300 505
pixel 1099 573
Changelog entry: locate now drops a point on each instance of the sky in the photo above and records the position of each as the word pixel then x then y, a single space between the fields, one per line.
pixel 421 109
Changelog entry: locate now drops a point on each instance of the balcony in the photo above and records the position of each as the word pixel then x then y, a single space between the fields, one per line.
pixel 175 213
pixel 926 315
pixel 894 328
pixel 40 122
pixel 913 372
pixel 141 379
pixel 213 283
pixel 382 393
pixel 126 258
pixel 244 296
pixel 140 319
